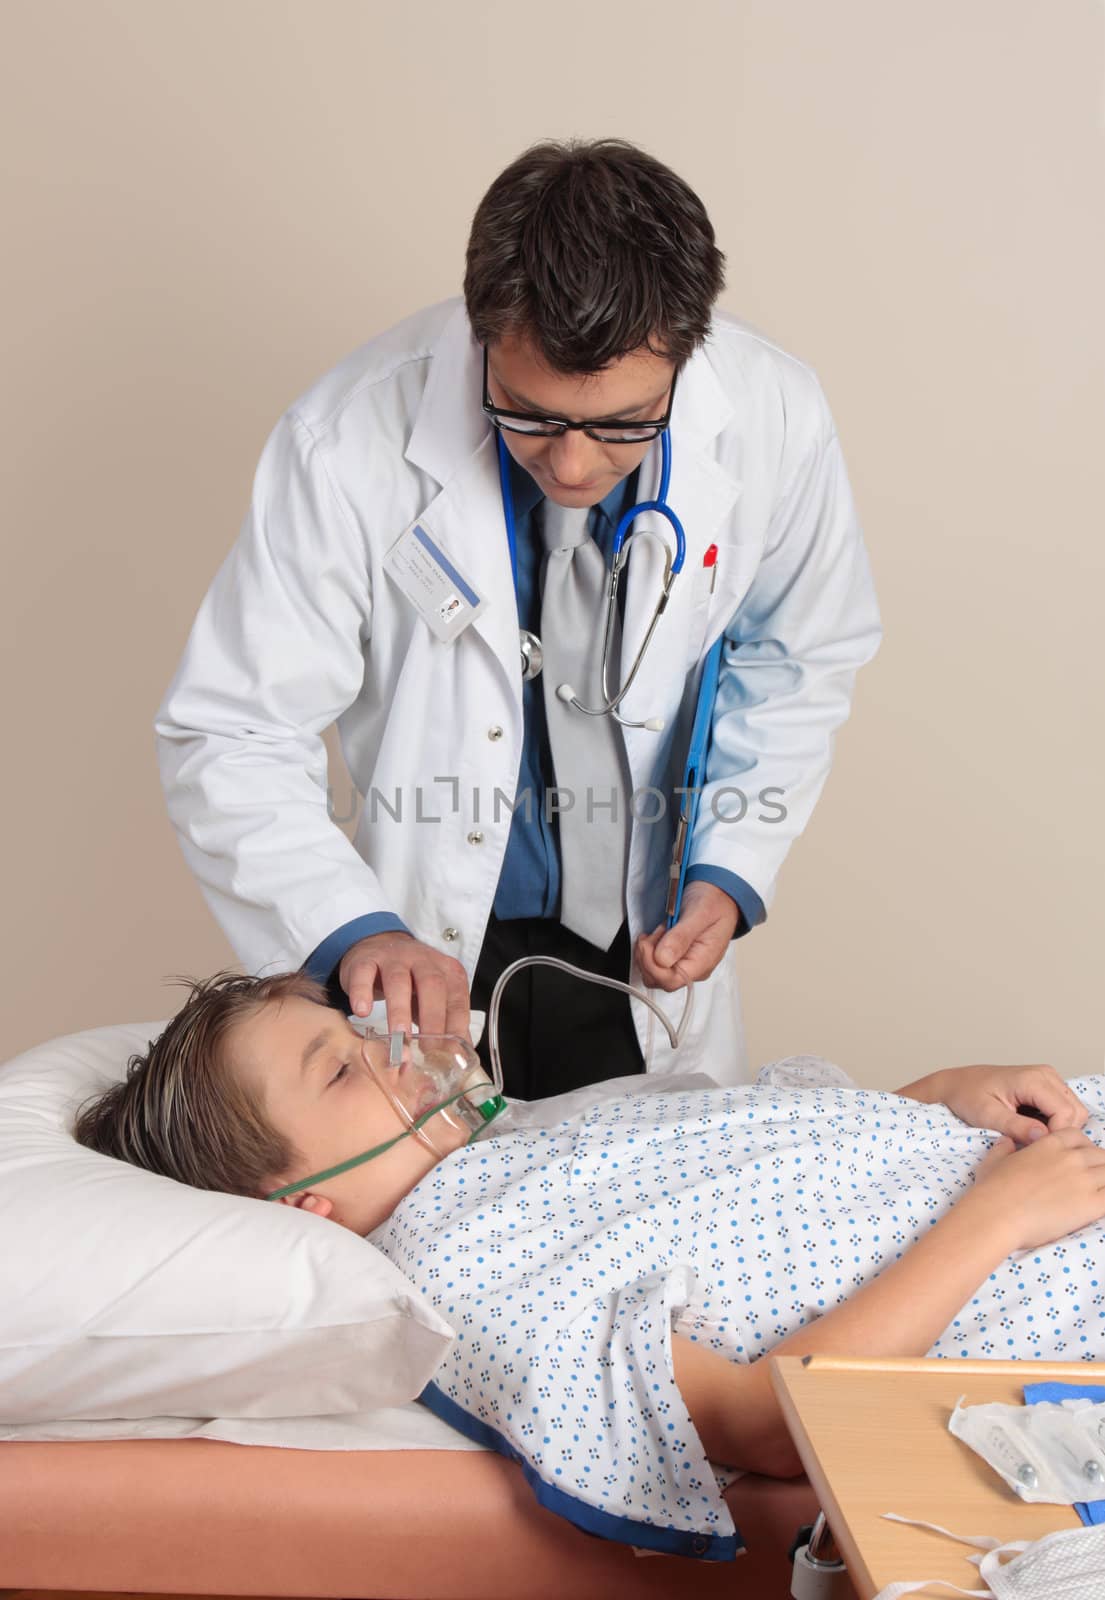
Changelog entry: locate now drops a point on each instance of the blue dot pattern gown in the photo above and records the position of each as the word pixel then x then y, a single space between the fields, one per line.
pixel 564 1251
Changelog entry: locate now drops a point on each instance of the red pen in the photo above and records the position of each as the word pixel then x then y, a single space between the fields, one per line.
pixel 710 560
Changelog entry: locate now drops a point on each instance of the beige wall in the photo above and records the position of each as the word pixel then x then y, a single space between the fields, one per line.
pixel 207 204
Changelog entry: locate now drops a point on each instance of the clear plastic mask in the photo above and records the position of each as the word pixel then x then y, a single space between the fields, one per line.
pixel 438 1088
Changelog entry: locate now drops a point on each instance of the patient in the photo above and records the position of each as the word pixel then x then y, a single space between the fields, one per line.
pixel 613 1276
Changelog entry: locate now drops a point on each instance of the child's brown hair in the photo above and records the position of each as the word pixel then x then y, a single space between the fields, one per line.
pixel 181 1112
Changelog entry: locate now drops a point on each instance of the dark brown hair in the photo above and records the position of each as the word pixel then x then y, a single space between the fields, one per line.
pixel 592 249
pixel 181 1111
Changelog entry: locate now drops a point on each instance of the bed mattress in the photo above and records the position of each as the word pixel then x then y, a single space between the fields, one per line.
pixel 205 1516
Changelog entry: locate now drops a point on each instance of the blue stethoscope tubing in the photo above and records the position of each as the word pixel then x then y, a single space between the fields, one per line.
pixel 673 565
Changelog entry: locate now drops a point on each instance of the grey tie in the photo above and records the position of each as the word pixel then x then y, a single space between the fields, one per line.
pixel 587 752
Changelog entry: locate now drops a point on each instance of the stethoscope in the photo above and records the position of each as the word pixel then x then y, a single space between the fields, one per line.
pixel 530 644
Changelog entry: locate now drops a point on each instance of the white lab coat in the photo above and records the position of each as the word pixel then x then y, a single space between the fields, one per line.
pixel 302 627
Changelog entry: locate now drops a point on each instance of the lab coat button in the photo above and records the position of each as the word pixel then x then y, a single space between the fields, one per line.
pixel 494 732
pixel 475 837
pixel 450 934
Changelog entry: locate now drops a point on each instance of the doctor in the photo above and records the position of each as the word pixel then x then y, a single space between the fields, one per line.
pixel 374 584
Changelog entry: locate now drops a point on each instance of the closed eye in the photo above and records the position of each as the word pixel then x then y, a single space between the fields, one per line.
pixel 341 1072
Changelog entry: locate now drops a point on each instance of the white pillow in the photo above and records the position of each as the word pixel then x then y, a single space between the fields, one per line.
pixel 126 1294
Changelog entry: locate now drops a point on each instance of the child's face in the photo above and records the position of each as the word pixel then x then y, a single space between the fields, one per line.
pixel 331 1108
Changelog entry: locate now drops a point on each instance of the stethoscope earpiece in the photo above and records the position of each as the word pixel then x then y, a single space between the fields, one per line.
pixel 570 698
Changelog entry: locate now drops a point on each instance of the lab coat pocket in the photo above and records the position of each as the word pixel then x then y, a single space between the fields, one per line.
pixel 698 616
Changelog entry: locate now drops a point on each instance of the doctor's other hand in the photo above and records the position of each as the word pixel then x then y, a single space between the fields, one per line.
pixel 418 983
pixel 691 950
pixel 988 1097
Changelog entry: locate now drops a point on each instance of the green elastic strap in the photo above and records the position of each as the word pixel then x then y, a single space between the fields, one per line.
pixel 497 1103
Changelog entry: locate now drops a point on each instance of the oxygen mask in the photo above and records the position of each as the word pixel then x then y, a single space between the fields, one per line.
pixel 435 1084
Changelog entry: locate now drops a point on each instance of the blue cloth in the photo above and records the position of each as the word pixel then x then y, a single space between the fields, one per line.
pixel 529 883
pixel 1091 1511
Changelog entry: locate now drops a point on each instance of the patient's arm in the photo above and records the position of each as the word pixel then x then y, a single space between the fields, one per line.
pixel 988 1097
pixel 1020 1199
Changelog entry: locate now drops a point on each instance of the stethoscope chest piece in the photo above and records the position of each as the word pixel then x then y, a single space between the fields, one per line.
pixel 533 657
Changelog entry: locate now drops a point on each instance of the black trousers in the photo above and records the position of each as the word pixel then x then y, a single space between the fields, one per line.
pixel 556 1032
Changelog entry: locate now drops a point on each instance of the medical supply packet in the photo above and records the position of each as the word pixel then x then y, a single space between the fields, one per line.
pixel 1052 1451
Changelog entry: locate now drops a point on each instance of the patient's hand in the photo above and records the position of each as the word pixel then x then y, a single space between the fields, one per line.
pixel 1033 1197
pixel 988 1097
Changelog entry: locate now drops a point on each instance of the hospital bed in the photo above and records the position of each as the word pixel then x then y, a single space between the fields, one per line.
pixel 199 1516
pixel 386 1503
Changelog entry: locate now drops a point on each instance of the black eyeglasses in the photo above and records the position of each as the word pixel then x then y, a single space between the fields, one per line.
pixel 612 431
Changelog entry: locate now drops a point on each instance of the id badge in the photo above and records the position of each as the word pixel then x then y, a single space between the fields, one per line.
pixel 432 584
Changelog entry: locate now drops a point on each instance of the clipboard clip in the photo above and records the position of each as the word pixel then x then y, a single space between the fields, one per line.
pixel 676 870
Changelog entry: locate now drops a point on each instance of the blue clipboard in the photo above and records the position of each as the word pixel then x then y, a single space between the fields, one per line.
pixel 694 776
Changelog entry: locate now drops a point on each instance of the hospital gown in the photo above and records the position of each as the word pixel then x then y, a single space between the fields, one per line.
pixel 563 1255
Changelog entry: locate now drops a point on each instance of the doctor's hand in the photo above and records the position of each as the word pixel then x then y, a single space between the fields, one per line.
pixel 988 1097
pixel 417 982
pixel 691 950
